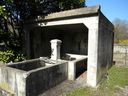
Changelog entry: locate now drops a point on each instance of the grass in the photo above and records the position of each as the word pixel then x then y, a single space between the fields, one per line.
pixel 6 87
pixel 117 77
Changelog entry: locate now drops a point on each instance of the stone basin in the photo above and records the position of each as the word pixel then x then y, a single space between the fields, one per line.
pixel 33 77
pixel 33 64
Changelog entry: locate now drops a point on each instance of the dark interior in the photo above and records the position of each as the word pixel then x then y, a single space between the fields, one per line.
pixel 74 40
pixel 81 67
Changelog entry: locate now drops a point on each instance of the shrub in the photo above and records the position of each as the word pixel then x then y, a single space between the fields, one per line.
pixel 11 56
pixel 19 57
pixel 6 56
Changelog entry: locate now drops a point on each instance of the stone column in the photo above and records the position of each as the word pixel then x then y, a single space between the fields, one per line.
pixel 55 49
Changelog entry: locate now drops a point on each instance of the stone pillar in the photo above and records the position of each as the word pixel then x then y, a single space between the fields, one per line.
pixel 93 52
pixel 55 49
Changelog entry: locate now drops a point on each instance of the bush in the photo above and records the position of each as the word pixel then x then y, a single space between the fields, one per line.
pixel 10 56
pixel 6 56
pixel 19 57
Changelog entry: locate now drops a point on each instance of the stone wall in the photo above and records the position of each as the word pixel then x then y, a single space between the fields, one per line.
pixel 105 45
pixel 120 48
pixel 41 80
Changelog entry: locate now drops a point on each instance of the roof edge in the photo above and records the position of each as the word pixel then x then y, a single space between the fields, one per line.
pixel 74 13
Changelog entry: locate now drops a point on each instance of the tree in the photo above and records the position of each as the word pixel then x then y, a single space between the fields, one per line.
pixel 121 30
pixel 13 13
pixel 3 28
pixel 70 4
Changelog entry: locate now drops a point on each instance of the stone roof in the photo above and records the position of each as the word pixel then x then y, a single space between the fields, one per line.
pixel 85 11
pixel 74 13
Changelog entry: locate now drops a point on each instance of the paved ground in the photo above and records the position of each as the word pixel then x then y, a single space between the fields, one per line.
pixel 66 86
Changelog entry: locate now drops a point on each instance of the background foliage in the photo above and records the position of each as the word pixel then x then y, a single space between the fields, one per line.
pixel 121 31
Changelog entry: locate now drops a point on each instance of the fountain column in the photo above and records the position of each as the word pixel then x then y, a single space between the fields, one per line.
pixel 55 49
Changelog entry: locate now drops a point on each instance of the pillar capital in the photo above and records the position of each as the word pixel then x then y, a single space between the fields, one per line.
pixel 56 41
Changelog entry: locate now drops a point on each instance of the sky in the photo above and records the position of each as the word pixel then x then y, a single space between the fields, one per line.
pixel 112 9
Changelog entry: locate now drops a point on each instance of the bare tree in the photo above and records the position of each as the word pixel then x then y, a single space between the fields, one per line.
pixel 121 30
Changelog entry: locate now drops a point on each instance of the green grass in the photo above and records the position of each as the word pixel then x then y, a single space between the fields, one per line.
pixel 117 76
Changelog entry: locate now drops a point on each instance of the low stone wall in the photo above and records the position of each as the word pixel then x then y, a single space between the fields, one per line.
pixel 120 55
pixel 118 48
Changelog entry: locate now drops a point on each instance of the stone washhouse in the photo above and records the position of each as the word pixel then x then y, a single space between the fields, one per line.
pixel 62 46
